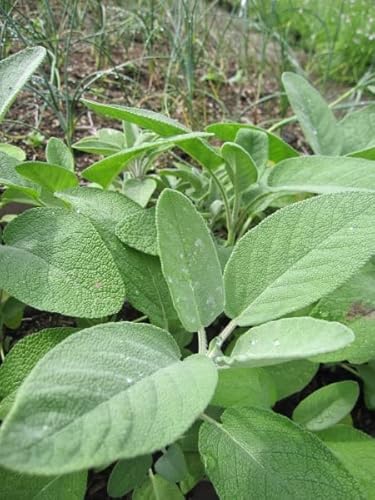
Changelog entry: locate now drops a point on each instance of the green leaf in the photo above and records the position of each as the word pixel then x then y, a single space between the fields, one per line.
pixel 171 465
pixel 241 168
pixel 12 313
pixel 15 71
pixel 358 130
pixel 105 171
pixel 189 261
pixel 297 255
pixel 56 261
pixel 255 142
pixel 127 475
pixel 163 126
pixel 51 177
pixel 244 386
pixel 291 377
pixel 108 392
pixel 195 473
pixel 314 115
pixel 146 288
pixel 287 339
pixel 25 354
pixel 13 151
pixel 323 174
pixel 367 374
pixel 327 406
pixel 255 453
pixel 278 149
pixel 139 190
pixel 58 153
pixel 367 154
pixel 9 176
pixel 157 488
pixel 356 450
pixel 138 230
pixel 15 486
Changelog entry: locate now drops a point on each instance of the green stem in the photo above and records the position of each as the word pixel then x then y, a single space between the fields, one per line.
pixel 230 228
pixel 202 341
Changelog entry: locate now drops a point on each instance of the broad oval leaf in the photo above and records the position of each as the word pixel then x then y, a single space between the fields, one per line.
pixel 13 151
pixel 127 475
pixel 108 392
pixel 189 261
pixel 172 465
pixel 58 153
pixel 244 386
pixel 163 126
pixel 255 453
pixel 358 130
pixel 356 450
pixel 255 142
pixel 323 174
pixel 15 486
pixel 287 339
pixel 299 254
pixel 241 168
pixel 278 149
pixel 327 406
pixel 139 190
pixel 138 230
pixel 15 70
pixel 51 177
pixel 292 376
pixel 25 354
pixel 55 260
pixel 157 488
pixel 314 115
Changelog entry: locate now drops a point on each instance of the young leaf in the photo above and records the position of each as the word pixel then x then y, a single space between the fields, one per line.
pixel 356 450
pixel 56 261
pixel 287 339
pixel 314 115
pixel 138 230
pixel 367 374
pixel 127 475
pixel 358 130
pixel 327 406
pixel 139 190
pixel 255 453
pixel 278 149
pixel 25 354
pixel 291 377
pixel 323 174
pixel 255 142
pixel 241 168
pixel 15 71
pixel 15 486
pixel 9 177
pixel 244 386
pixel 163 126
pixel 189 261
pixel 171 465
pixel 157 488
pixel 58 153
pixel 13 151
pixel 195 472
pixel 297 255
pixel 51 177
pixel 111 392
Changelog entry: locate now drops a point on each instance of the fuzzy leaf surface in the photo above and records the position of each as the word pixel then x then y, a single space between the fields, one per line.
pixel 255 453
pixel 189 261
pixel 108 392
pixel 55 260
pixel 297 255
pixel 323 174
pixel 314 115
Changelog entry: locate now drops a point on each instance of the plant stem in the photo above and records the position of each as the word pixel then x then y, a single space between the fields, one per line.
pixel 349 369
pixel 226 333
pixel 202 341
pixel 208 419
